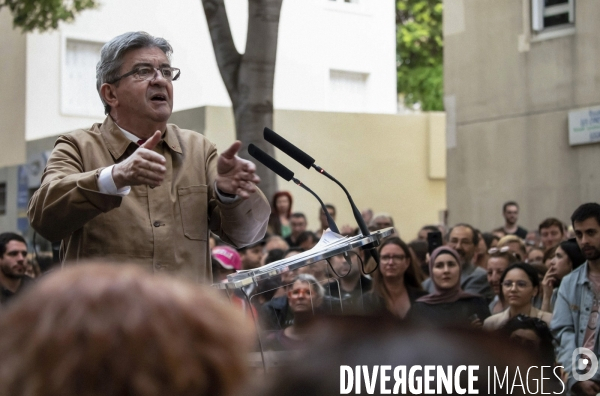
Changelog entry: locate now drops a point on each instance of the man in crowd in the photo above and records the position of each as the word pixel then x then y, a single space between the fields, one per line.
pixel 352 285
pixel 552 232
pixel 381 221
pixel 575 319
pixel 307 240
pixel 323 223
pixel 13 265
pixel 463 238
pixel 422 235
pixel 298 224
pixel 252 256
pixel 137 188
pixel 510 210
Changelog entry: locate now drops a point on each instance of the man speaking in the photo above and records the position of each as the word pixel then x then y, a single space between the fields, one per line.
pixel 138 189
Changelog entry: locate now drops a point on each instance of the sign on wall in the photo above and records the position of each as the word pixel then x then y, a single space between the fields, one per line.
pixel 584 126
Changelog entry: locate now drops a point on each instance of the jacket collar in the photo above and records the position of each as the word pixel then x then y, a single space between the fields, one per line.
pixel 533 313
pixel 117 142
pixel 582 274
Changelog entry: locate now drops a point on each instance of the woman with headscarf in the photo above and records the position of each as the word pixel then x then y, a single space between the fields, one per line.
pixel 449 304
pixel 566 258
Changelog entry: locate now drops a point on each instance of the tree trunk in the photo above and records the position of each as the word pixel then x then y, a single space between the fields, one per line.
pixel 249 77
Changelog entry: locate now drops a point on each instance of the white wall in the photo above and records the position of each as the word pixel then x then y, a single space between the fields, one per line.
pixel 315 37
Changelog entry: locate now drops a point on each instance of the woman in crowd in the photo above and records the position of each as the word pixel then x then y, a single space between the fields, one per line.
pixel 520 284
pixel 449 304
pixel 305 298
pixel 535 255
pixel 548 256
pixel 498 262
pixel 515 245
pixel 397 281
pixel 567 257
pixel 281 210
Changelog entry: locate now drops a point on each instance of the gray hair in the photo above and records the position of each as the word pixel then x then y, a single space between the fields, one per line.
pixel 311 280
pixel 113 52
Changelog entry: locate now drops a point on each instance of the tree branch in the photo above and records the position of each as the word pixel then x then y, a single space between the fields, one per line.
pixel 228 58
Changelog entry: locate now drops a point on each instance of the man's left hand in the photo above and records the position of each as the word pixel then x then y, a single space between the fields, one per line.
pixel 234 174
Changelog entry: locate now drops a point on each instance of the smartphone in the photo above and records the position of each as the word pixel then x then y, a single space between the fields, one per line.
pixel 434 240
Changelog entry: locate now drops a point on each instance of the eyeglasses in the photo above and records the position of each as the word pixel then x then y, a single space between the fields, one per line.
pixel 504 249
pixel 146 73
pixel 495 250
pixel 521 284
pixel 393 257
pixel 301 292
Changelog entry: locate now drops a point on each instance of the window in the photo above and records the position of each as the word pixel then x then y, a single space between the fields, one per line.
pixel 2 198
pixel 552 14
pixel 348 91
pixel 78 89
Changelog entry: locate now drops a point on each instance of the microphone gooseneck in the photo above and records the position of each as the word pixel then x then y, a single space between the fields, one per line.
pixel 307 161
pixel 288 175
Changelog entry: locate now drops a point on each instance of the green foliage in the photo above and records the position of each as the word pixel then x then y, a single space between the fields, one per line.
pixel 42 15
pixel 419 51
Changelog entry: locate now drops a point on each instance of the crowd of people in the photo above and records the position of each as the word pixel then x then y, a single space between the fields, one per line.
pixel 160 212
pixel 506 281
pixel 540 291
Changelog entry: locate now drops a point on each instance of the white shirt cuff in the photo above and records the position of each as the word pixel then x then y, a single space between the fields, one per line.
pixel 106 184
pixel 223 199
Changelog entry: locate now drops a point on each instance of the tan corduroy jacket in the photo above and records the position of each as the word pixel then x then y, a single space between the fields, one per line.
pixel 164 228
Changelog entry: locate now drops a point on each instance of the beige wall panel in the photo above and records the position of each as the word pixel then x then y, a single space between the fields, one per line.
pixel 511 110
pixel 437 145
pixel 383 160
pixel 12 93
pixel 526 159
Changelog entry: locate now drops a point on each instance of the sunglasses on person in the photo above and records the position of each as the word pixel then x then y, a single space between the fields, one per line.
pixel 505 249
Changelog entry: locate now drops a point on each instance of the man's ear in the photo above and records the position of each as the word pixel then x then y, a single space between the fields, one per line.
pixel 109 95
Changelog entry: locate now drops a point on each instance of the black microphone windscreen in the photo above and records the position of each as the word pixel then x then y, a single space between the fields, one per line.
pixel 288 148
pixel 270 162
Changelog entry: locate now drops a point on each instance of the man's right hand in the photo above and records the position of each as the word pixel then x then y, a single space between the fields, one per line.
pixel 142 167
pixel 586 388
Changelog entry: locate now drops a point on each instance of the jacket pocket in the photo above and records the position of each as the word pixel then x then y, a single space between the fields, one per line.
pixel 193 203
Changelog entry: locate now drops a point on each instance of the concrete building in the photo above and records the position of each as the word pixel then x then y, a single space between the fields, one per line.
pixel 334 83
pixel 514 72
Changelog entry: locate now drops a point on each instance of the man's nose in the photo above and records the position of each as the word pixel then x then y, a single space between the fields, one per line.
pixel 158 77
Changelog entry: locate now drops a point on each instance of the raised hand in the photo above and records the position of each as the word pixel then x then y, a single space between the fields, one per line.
pixel 234 174
pixel 142 167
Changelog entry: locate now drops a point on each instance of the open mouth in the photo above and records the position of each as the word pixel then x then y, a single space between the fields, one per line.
pixel 158 98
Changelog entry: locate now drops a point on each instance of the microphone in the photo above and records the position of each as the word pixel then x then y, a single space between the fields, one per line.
pixel 288 175
pixel 307 161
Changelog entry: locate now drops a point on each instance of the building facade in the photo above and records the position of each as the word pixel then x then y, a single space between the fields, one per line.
pixel 336 64
pixel 514 73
